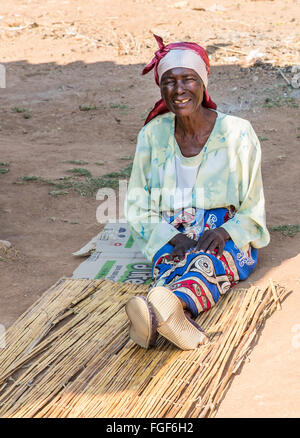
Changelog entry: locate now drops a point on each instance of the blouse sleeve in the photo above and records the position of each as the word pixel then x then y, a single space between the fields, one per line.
pixel 149 229
pixel 249 223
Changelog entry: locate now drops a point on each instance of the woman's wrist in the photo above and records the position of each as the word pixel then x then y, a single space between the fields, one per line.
pixel 176 239
pixel 180 237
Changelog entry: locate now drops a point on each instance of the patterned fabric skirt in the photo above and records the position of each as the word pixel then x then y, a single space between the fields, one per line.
pixel 201 278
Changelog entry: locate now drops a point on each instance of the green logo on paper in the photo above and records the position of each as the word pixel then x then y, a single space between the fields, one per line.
pixel 139 273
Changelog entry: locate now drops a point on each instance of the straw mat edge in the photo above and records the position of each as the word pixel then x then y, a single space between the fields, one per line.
pixel 69 355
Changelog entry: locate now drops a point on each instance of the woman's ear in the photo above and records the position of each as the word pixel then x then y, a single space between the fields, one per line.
pixel 161 93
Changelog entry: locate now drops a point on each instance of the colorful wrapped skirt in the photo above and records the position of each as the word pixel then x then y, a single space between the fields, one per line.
pixel 201 278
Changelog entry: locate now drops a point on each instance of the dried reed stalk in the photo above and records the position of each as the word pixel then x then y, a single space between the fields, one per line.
pixel 70 355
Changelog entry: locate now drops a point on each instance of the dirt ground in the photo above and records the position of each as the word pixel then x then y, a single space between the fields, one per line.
pixel 75 98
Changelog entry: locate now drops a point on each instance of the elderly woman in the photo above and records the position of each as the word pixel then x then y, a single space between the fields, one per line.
pixel 195 201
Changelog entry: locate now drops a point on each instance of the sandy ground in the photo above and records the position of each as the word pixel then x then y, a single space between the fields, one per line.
pixel 74 92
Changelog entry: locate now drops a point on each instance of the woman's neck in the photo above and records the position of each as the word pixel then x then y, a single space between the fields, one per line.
pixel 195 124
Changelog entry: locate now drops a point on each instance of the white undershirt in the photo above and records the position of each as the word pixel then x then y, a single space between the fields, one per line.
pixel 185 180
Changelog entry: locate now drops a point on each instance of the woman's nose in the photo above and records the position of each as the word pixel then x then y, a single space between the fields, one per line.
pixel 179 87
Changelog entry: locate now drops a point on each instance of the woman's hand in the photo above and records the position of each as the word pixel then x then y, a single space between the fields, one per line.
pixel 211 240
pixel 181 244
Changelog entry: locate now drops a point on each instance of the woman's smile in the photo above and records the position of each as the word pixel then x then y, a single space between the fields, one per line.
pixel 181 102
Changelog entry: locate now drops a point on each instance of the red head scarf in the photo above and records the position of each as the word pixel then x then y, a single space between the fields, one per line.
pixel 160 107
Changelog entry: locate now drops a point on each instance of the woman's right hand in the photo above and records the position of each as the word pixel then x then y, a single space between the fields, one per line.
pixel 181 244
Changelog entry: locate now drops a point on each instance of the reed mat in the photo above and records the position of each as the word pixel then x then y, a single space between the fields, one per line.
pixel 69 355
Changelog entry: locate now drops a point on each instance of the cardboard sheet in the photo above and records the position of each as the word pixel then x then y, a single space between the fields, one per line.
pixel 115 256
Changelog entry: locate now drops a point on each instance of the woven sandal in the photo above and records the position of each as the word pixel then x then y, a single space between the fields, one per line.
pixel 173 323
pixel 143 323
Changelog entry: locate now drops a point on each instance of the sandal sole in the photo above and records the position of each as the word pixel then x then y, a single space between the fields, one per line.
pixel 143 323
pixel 172 322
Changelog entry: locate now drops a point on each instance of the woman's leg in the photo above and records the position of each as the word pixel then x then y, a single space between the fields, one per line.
pixel 194 283
pixel 199 279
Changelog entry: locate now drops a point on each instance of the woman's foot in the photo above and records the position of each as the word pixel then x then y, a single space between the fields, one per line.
pixel 143 322
pixel 173 323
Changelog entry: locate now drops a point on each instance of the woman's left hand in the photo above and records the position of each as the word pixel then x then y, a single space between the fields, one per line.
pixel 211 240
pixel 181 244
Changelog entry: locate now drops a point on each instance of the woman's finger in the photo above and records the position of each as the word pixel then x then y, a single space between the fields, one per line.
pixel 198 244
pixel 221 248
pixel 177 252
pixel 173 253
pixel 204 242
pixel 213 245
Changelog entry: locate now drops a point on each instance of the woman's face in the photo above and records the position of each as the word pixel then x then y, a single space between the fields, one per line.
pixel 182 89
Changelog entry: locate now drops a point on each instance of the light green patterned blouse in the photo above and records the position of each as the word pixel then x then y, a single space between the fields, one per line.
pixel 229 174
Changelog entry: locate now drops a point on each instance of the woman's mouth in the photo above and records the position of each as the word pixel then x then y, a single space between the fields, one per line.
pixel 181 101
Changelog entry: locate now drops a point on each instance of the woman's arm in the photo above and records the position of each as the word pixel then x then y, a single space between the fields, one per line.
pixel 150 230
pixel 248 226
